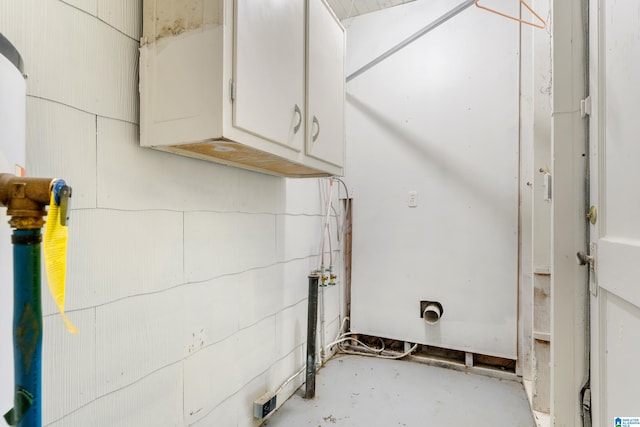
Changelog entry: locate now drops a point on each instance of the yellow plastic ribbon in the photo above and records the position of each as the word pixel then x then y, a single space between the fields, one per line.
pixel 55 258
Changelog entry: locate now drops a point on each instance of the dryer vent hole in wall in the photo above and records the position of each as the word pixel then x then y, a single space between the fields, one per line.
pixel 431 311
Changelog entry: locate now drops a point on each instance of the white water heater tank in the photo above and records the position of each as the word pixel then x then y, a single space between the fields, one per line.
pixel 12 159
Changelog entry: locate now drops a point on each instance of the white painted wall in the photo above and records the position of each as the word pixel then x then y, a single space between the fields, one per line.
pixel 440 117
pixel 186 279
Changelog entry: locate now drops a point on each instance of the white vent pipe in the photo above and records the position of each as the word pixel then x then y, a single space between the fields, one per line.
pixel 432 313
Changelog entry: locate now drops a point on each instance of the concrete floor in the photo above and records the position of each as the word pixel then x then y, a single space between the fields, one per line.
pixel 363 391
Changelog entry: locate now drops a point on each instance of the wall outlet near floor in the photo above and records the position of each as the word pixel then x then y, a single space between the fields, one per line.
pixel 264 405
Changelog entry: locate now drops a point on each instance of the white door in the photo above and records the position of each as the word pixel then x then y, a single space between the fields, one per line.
pixel 269 70
pixel 615 192
pixel 325 86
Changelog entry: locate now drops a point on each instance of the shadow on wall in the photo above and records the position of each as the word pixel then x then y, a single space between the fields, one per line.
pixel 453 170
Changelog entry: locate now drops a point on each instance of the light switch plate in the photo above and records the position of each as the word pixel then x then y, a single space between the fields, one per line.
pixel 413 199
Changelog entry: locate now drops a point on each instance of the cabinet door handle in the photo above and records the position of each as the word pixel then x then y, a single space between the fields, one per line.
pixel 317 126
pixel 297 111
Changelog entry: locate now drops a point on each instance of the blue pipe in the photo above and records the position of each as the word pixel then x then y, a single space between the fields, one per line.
pixel 27 330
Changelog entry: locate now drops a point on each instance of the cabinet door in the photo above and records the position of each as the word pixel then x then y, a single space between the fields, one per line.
pixel 325 84
pixel 269 70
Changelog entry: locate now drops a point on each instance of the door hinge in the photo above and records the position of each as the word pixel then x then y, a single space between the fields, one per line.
pixel 585 107
pixel 232 91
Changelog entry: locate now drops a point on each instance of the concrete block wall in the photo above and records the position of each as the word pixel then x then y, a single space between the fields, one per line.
pixel 186 279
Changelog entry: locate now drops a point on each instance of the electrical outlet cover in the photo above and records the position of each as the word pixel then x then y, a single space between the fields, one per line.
pixel 264 405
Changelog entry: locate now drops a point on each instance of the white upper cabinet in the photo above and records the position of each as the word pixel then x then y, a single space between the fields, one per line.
pixel 269 70
pixel 253 84
pixel 325 84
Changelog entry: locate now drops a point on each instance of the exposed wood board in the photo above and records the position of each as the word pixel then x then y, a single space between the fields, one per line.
pixel 350 8
pixel 232 153
pixel 347 257
pixel 541 396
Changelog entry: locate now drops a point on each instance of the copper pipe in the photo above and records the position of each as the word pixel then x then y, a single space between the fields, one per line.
pixel 25 200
